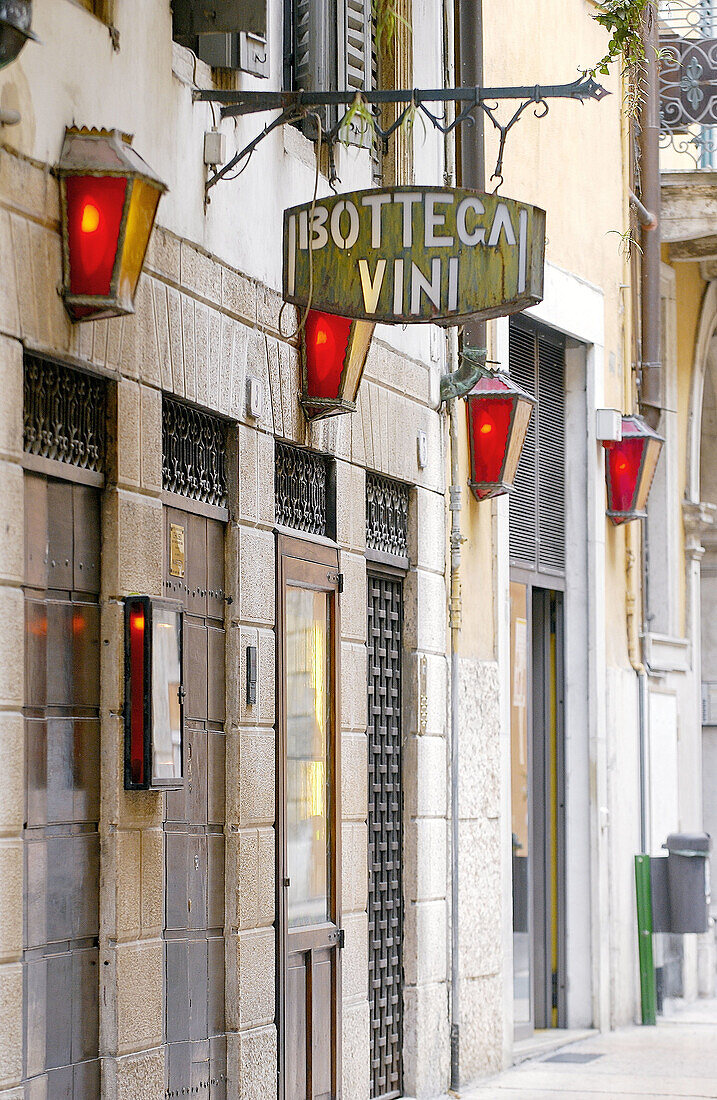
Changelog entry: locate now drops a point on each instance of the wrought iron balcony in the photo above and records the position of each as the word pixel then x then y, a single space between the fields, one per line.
pixel 688 84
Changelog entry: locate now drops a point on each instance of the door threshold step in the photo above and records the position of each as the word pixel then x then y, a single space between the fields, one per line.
pixel 548 1040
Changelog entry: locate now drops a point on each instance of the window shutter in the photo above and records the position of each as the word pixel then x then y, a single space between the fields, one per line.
pixel 551 457
pixel 358 24
pixel 537 504
pixel 523 500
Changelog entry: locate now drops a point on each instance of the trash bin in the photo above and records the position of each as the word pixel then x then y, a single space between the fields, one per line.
pixel 688 878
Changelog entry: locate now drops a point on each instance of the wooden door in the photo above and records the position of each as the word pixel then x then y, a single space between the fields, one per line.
pixel 308 783
pixel 194 826
pixel 62 790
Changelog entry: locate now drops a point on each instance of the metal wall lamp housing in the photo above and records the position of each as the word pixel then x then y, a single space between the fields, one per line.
pixel 153 694
pixel 333 356
pixel 108 203
pixel 498 413
pixel 629 469
pixel 15 24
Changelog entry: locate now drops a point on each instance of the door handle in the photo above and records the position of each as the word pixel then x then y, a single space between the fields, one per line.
pixel 286 882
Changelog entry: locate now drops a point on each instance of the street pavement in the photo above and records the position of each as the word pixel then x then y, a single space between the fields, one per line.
pixel 678 1058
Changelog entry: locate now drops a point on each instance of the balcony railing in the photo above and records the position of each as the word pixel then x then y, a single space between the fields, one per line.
pixel 688 84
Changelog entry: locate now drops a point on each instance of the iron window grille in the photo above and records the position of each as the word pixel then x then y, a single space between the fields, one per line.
pixel 688 82
pixel 193 453
pixel 304 490
pixel 64 414
pixel 386 515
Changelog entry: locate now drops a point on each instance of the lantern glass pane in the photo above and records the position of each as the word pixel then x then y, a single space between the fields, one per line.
pixel 137 627
pixel 624 460
pixel 327 339
pixel 359 343
pixel 521 420
pixel 94 217
pixel 489 425
pixel 652 453
pixel 140 219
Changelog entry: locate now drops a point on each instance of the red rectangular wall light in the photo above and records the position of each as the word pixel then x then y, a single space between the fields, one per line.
pixel 154 694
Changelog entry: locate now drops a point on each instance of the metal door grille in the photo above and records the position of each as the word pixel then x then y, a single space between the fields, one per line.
pixel 64 414
pixel 385 829
pixel 193 446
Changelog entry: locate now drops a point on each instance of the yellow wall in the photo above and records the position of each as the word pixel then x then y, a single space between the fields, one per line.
pixel 571 164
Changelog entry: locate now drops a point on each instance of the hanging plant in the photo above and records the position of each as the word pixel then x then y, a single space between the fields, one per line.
pixel 624 20
pixel 387 19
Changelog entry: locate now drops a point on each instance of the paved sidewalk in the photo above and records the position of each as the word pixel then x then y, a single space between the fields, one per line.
pixel 678 1058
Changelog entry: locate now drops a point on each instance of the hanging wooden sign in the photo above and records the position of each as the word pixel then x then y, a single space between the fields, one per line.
pixel 403 255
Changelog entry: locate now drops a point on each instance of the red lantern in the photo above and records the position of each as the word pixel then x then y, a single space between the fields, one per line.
pixel 334 351
pixel 629 469
pixel 498 415
pixel 109 199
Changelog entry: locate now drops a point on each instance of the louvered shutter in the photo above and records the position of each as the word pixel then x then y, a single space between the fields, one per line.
pixel 523 499
pixel 358 43
pixel 551 457
pixel 537 504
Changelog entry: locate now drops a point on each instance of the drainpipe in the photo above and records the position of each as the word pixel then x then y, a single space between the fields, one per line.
pixel 453 365
pixel 463 44
pixel 651 381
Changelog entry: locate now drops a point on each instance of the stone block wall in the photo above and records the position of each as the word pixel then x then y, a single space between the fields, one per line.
pixel 200 328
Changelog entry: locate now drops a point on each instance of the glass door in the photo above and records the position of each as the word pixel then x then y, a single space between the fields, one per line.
pixel 520 810
pixel 308 777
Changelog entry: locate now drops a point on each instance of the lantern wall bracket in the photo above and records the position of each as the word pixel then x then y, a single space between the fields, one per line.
pixel 297 105
pixel 460 382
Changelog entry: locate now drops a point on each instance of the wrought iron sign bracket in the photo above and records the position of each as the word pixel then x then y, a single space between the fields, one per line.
pixel 298 105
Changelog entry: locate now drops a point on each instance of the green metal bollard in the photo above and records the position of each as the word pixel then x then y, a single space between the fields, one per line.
pixel 648 992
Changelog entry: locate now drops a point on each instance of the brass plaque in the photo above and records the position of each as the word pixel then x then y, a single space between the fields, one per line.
pixel 176 550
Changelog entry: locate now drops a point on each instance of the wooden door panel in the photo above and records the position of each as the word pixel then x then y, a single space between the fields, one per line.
pixel 61 840
pixel 322 991
pixel 194 838
pixel 296 1020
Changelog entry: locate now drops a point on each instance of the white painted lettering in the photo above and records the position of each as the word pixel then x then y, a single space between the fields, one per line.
pixel 375 202
pixel 477 234
pixel 431 289
pixel 453 284
pixel 371 287
pixel 432 220
pixel 398 286
pixel 407 199
pixel 291 255
pixel 501 220
pixel 303 229
pixel 319 236
pixel 345 206
pixel 522 249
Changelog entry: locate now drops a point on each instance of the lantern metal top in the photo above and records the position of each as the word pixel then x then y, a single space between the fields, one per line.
pixel 93 152
pixel 499 384
pixel 634 426
pixel 17 14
